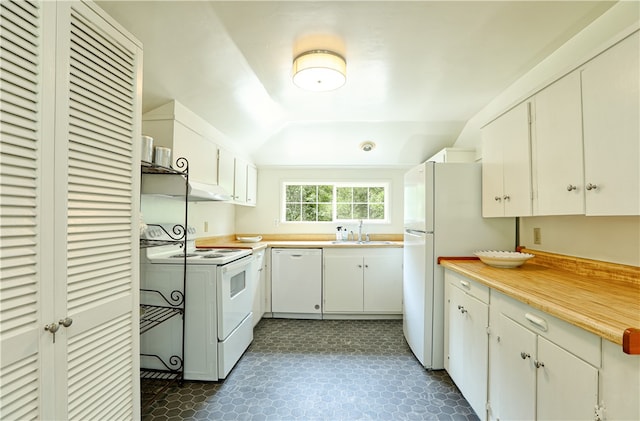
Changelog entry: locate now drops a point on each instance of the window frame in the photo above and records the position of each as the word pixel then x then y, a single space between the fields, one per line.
pixel 384 184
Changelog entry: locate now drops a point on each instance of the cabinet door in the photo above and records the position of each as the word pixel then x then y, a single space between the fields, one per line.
pixel 611 130
pixel 226 171
pixel 516 161
pixel 475 354
pixel 506 164
pixel 343 283
pixel 492 185
pixel 456 334
pixel 516 376
pixel 252 185
pixel 557 149
pixel 200 152
pixel 240 181
pixel 567 386
pixel 383 282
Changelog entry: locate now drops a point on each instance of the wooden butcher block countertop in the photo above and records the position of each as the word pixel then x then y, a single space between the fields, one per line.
pixel 602 298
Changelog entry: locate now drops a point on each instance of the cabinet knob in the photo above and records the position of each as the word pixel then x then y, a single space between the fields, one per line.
pixel 591 186
pixel 360 266
pixel 571 187
pixel 497 199
pixel 506 197
pixel 524 355
pixel 538 364
pixel 462 309
pixel 66 322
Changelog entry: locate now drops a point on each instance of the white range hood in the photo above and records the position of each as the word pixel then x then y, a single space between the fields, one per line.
pixel 174 187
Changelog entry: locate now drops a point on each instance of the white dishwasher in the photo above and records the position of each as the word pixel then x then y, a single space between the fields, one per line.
pixel 296 283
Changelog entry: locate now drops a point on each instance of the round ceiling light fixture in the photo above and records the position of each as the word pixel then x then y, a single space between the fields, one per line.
pixel 319 70
pixel 367 146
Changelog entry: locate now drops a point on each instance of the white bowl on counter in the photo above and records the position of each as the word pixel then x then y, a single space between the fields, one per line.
pixel 503 259
pixel 249 239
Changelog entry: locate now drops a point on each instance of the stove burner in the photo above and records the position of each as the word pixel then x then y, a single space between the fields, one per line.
pixel 176 256
pixel 212 256
pixel 202 250
pixel 227 251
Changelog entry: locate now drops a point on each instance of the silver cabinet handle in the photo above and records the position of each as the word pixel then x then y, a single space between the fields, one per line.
pixel 571 187
pixel 497 199
pixel 591 186
pixel 506 197
pixel 537 321
pixel 524 355
pixel 538 364
pixel 462 309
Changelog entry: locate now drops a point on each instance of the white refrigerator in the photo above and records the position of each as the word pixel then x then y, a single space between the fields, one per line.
pixel 442 217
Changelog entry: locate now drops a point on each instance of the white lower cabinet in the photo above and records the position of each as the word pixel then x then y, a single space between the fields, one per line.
pixel 362 281
pixel 466 340
pixel 540 367
pixel 529 365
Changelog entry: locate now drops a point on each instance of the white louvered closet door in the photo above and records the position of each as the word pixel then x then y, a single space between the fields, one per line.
pixel 23 261
pixel 68 213
pixel 97 170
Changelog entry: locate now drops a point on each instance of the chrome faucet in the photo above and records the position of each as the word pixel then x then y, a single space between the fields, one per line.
pixel 360 231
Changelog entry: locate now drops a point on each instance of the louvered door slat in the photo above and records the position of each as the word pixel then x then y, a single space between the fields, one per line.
pixel 19 210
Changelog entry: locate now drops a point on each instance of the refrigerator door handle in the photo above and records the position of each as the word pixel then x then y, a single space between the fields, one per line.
pixel 416 233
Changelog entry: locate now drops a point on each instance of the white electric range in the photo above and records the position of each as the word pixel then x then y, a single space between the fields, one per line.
pixel 218 325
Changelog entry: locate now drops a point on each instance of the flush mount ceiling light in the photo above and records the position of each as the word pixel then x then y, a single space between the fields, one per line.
pixel 319 70
pixel 367 146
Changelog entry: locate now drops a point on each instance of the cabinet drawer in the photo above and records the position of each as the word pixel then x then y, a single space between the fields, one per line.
pixel 479 291
pixel 578 341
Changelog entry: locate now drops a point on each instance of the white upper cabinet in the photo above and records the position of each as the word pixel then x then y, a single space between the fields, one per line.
pixel 506 164
pixel 611 114
pixel 557 149
pixel 238 177
pixel 174 126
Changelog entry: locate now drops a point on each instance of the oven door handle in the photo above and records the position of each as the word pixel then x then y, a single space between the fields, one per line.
pixel 244 261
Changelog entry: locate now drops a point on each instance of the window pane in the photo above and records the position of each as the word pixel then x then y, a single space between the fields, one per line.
pixel 293 211
pixel 325 212
pixel 325 194
pixel 376 195
pixel 360 211
pixel 376 211
pixel 344 211
pixel 309 212
pixel 360 194
pixel 345 194
pixel 293 193
pixel 309 194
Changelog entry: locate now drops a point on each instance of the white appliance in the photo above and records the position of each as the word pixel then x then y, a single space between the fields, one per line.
pixel 218 325
pixel 296 283
pixel 442 206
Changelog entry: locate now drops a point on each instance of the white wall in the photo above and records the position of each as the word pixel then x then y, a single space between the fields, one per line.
pixel 218 216
pixel 612 239
pixel 265 218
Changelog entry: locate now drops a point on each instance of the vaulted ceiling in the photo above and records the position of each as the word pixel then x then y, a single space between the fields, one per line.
pixel 417 71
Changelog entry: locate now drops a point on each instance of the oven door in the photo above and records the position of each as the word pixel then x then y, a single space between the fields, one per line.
pixel 234 295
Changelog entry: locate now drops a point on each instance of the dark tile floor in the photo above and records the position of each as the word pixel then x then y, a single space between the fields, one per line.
pixel 321 370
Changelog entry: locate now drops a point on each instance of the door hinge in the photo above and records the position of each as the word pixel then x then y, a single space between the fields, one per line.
pixel 488 330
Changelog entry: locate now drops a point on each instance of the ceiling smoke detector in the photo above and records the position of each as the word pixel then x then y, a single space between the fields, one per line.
pixel 319 70
pixel 367 146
